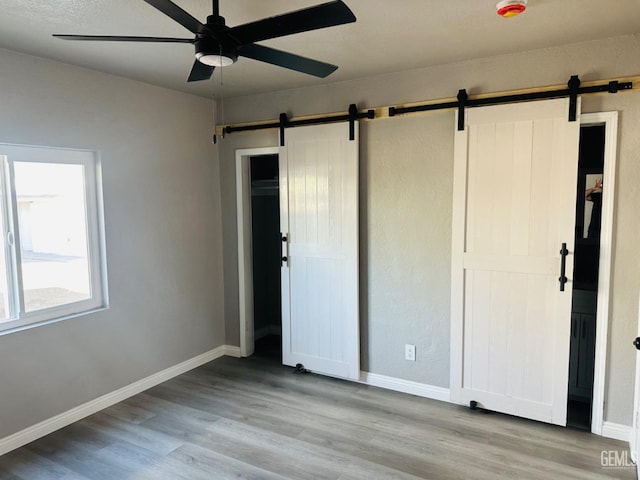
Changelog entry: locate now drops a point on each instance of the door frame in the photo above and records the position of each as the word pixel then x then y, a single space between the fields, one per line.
pixel 610 120
pixel 245 256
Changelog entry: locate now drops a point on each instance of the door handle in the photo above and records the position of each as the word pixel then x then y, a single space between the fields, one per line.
pixel 636 342
pixel 283 257
pixel 563 266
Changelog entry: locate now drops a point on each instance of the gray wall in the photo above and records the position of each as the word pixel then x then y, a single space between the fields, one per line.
pixel 406 190
pixel 164 246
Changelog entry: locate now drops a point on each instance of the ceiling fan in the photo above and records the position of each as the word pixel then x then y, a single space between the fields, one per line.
pixel 217 45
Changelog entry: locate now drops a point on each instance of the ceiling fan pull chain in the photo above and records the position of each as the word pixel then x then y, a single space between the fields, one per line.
pixel 213 110
pixel 221 91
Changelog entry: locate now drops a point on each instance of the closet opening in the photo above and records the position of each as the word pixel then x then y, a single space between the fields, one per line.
pixel 590 185
pixel 265 250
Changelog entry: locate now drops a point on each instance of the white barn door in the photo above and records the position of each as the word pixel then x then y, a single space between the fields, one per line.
pixel 515 180
pixel 319 218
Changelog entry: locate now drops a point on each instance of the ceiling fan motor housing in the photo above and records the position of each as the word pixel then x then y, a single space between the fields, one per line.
pixel 510 8
pixel 215 20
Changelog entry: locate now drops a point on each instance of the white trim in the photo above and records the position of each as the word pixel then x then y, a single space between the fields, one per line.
pixel 634 437
pixel 457 263
pixel 232 351
pixel 245 261
pixel 78 413
pixel 616 431
pixel 406 386
pixel 610 119
pixel 96 256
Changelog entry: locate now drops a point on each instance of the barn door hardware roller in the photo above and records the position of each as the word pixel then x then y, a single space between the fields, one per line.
pixel 463 98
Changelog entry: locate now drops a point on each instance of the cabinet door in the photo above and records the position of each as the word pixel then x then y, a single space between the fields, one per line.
pixel 575 353
pixel 587 346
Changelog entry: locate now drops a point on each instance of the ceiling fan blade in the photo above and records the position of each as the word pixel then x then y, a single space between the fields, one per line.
pixel 112 38
pixel 200 71
pixel 173 11
pixel 287 60
pixel 320 16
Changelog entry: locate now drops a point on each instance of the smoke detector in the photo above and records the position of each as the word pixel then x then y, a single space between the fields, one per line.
pixel 511 8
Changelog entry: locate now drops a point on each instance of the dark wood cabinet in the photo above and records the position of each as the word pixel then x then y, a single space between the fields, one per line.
pixel 583 337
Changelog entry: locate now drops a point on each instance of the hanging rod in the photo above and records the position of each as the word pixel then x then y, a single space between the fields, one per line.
pixel 508 96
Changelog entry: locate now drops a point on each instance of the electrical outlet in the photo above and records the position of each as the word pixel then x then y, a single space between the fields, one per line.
pixel 410 352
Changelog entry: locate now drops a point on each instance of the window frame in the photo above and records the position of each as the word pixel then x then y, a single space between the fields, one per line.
pixel 94 224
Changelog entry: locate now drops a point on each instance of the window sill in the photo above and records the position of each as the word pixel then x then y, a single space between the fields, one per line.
pixel 8 327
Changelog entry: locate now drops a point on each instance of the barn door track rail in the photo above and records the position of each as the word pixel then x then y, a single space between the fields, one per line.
pixel 284 122
pixel 462 101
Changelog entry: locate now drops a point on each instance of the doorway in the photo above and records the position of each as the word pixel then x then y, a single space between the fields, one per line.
pixel 590 293
pixel 265 250
pixel 592 271
pixel 245 260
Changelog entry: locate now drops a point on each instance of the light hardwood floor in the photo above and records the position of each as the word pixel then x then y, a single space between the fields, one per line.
pixel 253 419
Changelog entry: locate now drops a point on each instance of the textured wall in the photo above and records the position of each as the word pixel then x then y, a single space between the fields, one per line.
pixel 406 183
pixel 163 240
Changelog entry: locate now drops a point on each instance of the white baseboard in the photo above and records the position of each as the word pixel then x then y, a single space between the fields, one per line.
pixel 231 351
pixel 616 431
pixel 67 418
pixel 406 386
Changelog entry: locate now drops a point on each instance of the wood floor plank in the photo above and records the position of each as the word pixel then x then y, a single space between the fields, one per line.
pixel 254 419
pixel 22 464
pixel 135 434
pixel 215 465
pixel 130 413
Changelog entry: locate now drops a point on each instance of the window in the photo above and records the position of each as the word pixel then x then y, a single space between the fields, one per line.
pixel 51 265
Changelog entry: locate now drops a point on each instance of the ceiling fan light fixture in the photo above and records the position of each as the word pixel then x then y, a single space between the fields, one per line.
pixel 215 60
pixel 215 54
pixel 510 8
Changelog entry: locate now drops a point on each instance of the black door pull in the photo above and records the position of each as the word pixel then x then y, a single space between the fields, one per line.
pixel 283 257
pixel 563 266
pixel 636 342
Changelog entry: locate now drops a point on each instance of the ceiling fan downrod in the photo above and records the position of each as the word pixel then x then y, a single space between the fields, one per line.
pixel 216 8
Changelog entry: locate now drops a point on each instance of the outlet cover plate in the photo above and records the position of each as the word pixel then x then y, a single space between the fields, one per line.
pixel 410 352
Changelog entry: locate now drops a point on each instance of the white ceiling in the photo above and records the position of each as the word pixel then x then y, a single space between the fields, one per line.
pixel 388 36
